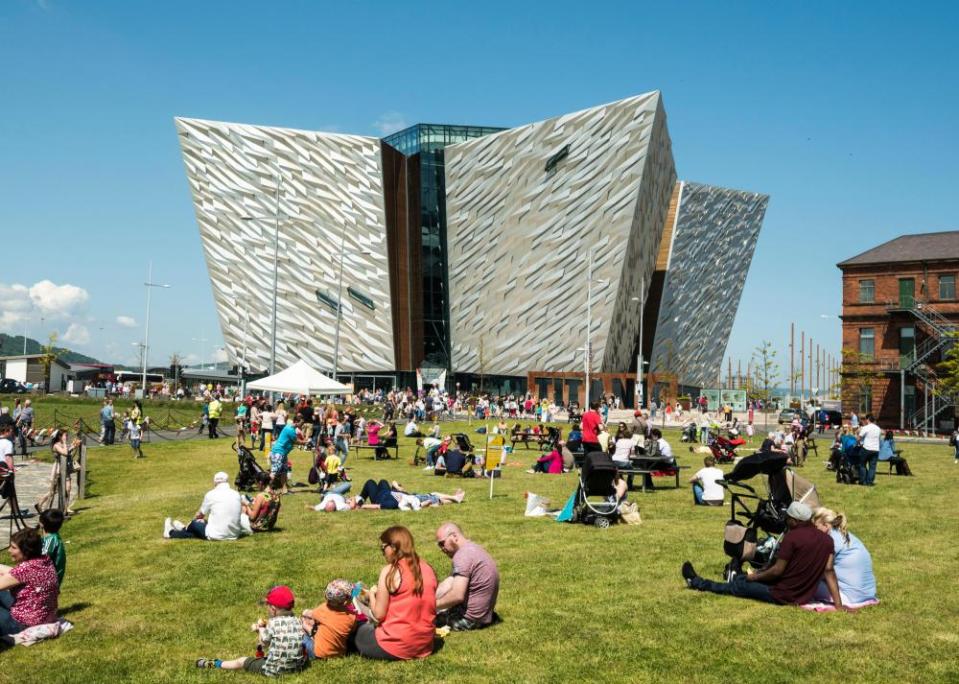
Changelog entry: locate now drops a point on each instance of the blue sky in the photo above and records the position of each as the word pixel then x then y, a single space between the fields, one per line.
pixel 843 112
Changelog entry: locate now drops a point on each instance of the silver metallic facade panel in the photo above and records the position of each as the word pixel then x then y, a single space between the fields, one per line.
pixel 330 192
pixel 713 242
pixel 520 237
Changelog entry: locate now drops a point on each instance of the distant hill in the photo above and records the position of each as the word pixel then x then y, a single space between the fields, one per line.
pixel 12 345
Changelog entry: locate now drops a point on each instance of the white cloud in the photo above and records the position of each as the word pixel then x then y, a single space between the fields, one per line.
pixel 390 122
pixel 57 300
pixel 76 334
pixel 126 321
pixel 219 355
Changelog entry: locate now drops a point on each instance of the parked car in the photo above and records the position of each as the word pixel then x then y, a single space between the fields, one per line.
pixel 787 415
pixel 11 386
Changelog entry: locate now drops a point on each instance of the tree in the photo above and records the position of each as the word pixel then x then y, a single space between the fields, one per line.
pixel 765 374
pixel 49 354
pixel 857 378
pixel 948 370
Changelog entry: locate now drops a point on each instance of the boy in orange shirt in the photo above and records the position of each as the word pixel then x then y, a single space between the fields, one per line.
pixel 329 625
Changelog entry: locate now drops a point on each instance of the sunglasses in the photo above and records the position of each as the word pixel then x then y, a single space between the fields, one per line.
pixel 442 542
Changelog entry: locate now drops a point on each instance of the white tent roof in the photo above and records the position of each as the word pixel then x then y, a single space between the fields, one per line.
pixel 302 379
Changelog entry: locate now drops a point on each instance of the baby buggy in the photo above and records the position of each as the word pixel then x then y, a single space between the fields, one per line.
pixel 463 443
pixel 596 502
pixel 550 440
pixel 249 468
pixel 690 433
pixel 724 449
pixel 757 523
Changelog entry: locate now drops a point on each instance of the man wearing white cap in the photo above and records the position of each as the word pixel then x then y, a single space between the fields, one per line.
pixel 804 557
pixel 218 518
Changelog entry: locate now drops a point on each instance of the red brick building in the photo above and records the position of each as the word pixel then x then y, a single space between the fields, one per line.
pixel 899 307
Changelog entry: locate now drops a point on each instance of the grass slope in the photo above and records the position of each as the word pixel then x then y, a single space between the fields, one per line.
pixel 578 603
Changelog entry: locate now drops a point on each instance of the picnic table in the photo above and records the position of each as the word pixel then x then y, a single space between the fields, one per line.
pixel 526 436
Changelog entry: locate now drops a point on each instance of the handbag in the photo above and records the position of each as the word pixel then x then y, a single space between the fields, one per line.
pixel 629 513
pixel 314 476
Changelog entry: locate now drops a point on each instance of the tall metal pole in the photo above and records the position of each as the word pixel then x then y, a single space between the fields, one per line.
pixel 339 307
pixel 276 254
pixel 810 367
pixel 589 321
pixel 25 336
pixel 792 352
pixel 146 333
pixel 802 365
pixel 639 361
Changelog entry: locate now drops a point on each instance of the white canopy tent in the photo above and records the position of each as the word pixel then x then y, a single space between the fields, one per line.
pixel 300 378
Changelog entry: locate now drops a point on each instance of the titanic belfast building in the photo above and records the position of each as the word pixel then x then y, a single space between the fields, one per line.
pixel 482 251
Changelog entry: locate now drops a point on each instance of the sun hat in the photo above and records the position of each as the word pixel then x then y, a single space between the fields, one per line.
pixel 220 477
pixel 799 511
pixel 338 592
pixel 280 597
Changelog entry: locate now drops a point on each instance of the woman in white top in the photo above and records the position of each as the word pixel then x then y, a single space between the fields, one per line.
pixel 266 425
pixel 623 448
pixel 706 488
pixel 279 419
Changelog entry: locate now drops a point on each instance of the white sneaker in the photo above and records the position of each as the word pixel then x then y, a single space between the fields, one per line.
pixel 428 468
pixel 167 527
pixel 178 526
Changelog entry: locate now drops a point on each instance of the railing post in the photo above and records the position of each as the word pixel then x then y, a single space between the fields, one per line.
pixel 82 482
pixel 62 473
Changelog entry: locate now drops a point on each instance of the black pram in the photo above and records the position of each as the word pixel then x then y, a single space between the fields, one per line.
pixel 249 469
pixel 741 540
pixel 597 479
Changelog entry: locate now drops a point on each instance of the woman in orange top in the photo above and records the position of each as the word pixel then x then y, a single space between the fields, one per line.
pixel 403 602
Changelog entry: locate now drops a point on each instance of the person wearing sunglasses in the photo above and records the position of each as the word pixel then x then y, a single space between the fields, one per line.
pixel 467 598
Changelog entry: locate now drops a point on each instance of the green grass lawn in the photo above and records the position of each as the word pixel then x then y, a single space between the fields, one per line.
pixel 577 603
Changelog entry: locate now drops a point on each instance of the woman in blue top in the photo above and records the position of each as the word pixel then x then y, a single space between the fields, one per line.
pixel 852 562
pixel 887 447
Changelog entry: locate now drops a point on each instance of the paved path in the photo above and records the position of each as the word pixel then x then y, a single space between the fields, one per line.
pixel 33 480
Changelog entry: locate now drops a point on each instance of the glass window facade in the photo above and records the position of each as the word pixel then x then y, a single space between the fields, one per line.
pixel 430 141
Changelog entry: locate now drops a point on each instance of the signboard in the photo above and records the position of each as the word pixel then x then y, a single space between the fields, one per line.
pixel 717 398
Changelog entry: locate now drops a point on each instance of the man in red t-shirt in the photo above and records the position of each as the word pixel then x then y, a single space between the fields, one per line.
pixel 590 428
pixel 805 557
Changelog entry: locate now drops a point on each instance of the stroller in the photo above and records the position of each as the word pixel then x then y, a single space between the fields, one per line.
pixel 463 443
pixel 596 479
pixel 550 440
pixel 249 469
pixel 756 524
pixel 724 449
pixel 690 432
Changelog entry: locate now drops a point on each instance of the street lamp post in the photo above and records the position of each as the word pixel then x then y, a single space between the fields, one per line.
pixel 146 333
pixel 339 303
pixel 639 357
pixel 589 323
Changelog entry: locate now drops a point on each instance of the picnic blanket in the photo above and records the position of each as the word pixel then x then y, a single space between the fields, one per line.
pixel 38 633
pixel 820 607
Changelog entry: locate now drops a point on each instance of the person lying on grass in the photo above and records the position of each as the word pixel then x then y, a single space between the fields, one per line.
pixel 392 496
pixel 329 625
pixel 282 632
pixel 805 556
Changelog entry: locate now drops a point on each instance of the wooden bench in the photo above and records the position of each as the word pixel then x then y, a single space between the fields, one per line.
pixel 526 438
pixel 653 472
pixel 395 448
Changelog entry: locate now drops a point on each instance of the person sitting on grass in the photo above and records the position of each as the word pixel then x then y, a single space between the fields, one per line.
pixel 282 633
pixel 453 462
pixel 218 518
pixel 551 463
pixel 706 488
pixel 853 564
pixel 29 590
pixel 51 520
pixel 412 429
pixel 466 599
pixel 403 603
pixel 804 558
pixel 264 508
pixel 328 626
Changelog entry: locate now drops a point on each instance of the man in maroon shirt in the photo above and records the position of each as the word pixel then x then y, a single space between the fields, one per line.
pixel 590 428
pixel 804 557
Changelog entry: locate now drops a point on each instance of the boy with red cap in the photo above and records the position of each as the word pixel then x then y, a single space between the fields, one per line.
pixel 283 634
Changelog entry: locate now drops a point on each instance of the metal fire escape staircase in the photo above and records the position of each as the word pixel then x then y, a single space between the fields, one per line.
pixel 941 337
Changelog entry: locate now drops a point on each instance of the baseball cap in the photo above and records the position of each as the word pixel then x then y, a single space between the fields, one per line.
pixel 338 592
pixel 799 511
pixel 280 597
pixel 220 477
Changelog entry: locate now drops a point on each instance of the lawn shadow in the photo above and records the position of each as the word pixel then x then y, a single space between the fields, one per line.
pixel 74 607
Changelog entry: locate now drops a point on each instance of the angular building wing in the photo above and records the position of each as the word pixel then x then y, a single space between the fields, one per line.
pixel 705 256
pixel 322 194
pixel 531 212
